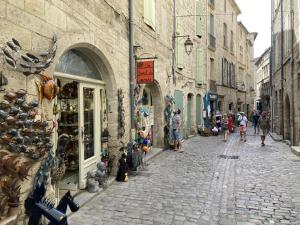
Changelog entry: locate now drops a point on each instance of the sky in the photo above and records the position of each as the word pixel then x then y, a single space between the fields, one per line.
pixel 256 16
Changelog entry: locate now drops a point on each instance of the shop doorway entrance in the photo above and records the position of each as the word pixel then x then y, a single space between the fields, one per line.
pixel 79 114
pixel 152 120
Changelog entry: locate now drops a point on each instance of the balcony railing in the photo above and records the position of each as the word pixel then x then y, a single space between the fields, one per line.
pixel 212 41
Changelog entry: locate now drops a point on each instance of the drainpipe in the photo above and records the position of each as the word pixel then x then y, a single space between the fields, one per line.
pixel 131 69
pixel 292 74
pixel 282 72
pixel 271 68
pixel 174 43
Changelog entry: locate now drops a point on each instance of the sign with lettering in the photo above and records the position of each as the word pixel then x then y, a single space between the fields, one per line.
pixel 145 72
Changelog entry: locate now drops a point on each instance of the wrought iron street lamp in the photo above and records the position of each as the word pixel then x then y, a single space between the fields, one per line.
pixel 188 45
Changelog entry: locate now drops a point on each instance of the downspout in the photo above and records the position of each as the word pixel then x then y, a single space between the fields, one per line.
pixel 282 72
pixel 174 43
pixel 292 75
pixel 271 67
pixel 131 69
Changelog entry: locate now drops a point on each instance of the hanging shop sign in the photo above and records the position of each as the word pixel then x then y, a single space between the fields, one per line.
pixel 145 72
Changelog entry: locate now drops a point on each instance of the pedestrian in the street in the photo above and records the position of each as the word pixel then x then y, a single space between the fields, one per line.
pixel 264 125
pixel 255 118
pixel 176 124
pixel 226 124
pixel 243 121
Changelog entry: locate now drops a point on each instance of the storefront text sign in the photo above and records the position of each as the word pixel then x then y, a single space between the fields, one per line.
pixel 145 72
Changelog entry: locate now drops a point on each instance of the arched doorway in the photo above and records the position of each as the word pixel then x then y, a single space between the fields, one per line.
pixel 82 114
pixel 153 104
pixel 287 118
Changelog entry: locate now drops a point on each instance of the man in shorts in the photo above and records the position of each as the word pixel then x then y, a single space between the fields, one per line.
pixel 264 125
pixel 176 123
pixel 243 125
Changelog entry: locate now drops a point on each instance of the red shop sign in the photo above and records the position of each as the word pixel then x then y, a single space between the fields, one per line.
pixel 145 72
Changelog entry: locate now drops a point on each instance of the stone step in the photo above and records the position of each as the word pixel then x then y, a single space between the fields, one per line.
pixel 296 150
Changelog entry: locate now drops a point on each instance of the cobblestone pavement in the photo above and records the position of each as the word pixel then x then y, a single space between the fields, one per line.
pixel 198 186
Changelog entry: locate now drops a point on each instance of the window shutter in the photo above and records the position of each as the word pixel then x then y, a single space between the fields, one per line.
pixel 149 13
pixel 199 71
pixel 152 14
pixel 199 22
pixel 179 48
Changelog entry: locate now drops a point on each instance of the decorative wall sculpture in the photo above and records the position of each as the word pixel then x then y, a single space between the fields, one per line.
pixel 26 62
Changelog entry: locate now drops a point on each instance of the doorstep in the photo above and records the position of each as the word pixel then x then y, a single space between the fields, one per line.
pixel 83 197
pixel 296 150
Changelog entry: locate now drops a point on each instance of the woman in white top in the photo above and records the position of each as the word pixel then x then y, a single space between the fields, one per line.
pixel 243 125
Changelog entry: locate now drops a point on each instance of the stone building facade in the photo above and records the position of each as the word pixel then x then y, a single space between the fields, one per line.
pixel 91 69
pixel 263 82
pixel 285 70
pixel 229 53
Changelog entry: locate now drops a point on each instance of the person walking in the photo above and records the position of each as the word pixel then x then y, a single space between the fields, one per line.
pixel 255 118
pixel 226 126
pixel 264 126
pixel 243 121
pixel 176 124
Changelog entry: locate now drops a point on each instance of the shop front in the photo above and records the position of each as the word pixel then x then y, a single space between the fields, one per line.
pixel 210 105
pixel 80 112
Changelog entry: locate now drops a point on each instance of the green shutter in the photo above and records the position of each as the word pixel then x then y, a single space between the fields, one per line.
pixel 179 48
pixel 149 13
pixel 200 63
pixel 199 19
pixel 152 15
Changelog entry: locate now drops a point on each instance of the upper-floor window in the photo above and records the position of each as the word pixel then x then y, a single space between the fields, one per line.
pixel 225 6
pixel 225 35
pixel 212 2
pixel 149 13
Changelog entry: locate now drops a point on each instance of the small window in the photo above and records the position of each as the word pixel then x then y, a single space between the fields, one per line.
pixel 225 6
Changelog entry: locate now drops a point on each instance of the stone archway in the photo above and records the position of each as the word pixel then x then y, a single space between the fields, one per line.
pixel 157 104
pixel 106 73
pixel 287 118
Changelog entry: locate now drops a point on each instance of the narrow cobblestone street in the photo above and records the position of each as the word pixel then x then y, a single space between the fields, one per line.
pixel 198 186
